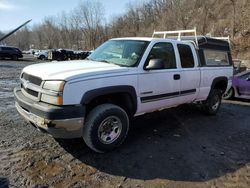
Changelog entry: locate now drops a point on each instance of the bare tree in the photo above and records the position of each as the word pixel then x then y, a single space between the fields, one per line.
pixel 85 26
pixel 233 2
pixel 90 16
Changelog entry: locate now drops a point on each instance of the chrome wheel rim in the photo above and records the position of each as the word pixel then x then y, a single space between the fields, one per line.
pixel 109 129
pixel 216 103
pixel 228 94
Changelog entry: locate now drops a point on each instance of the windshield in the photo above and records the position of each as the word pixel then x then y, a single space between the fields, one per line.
pixel 120 52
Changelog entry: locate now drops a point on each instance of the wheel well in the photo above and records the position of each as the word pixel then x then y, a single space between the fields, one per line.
pixel 221 85
pixel 123 100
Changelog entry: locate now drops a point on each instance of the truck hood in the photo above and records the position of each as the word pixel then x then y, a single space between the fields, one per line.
pixel 69 70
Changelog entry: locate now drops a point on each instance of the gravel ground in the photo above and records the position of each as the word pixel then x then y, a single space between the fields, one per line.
pixel 179 147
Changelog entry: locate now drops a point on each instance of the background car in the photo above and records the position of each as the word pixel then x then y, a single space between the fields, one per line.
pixel 239 66
pixel 81 54
pixel 10 52
pixel 240 86
pixel 43 55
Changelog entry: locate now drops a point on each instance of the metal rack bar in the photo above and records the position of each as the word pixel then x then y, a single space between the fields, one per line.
pixel 178 33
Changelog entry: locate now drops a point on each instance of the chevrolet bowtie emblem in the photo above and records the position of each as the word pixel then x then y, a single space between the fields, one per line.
pixel 25 84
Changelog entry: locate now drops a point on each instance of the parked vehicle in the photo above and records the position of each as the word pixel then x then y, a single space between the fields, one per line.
pixel 96 98
pixel 31 51
pixel 67 54
pixel 81 54
pixel 61 54
pixel 10 52
pixel 42 54
pixel 240 86
pixel 238 66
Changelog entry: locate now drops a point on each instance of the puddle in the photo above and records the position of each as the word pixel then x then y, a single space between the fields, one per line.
pixel 4 94
pixel 7 66
pixel 7 84
pixel 7 107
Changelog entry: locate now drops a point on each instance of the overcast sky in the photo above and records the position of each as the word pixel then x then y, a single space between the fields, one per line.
pixel 15 12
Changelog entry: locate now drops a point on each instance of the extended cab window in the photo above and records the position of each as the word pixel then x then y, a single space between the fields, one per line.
pixel 165 52
pixel 186 56
pixel 216 58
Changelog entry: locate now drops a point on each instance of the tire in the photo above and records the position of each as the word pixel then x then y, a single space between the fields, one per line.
pixel 229 94
pixel 106 128
pixel 42 57
pixel 14 57
pixel 213 102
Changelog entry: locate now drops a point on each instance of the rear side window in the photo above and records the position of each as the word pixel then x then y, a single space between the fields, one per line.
pixel 216 58
pixel 8 49
pixel 186 56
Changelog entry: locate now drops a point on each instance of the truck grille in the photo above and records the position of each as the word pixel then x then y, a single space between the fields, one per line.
pixel 30 86
pixel 29 91
pixel 32 79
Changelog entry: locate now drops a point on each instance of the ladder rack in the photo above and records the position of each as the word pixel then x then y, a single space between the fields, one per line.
pixel 179 34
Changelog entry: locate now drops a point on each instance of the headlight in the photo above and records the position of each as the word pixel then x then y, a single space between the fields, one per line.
pixel 54 85
pixel 55 93
pixel 57 100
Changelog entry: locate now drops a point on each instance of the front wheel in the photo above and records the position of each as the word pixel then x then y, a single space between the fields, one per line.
pixel 106 127
pixel 42 57
pixel 229 94
pixel 213 102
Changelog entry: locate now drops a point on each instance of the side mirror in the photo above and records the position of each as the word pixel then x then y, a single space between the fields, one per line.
pixel 155 64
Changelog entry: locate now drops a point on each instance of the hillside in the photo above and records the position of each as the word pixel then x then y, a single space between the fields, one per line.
pixel 85 28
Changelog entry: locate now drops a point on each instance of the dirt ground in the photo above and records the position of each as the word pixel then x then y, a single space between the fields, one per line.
pixel 179 147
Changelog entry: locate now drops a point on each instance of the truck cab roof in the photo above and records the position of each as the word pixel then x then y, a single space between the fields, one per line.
pixel 204 42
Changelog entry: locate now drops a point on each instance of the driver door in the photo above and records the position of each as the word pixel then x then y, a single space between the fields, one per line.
pixel 159 87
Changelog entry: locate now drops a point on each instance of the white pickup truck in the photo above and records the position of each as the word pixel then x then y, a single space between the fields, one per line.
pixel 125 77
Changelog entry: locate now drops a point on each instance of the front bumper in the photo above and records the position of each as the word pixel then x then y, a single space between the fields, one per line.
pixel 59 121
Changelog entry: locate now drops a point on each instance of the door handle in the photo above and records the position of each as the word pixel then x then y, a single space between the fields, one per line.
pixel 177 77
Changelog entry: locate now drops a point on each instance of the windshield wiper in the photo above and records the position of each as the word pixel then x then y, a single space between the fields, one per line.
pixel 105 61
pixel 102 60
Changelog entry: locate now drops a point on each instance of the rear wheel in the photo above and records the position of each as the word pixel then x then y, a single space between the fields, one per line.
pixel 14 57
pixel 106 127
pixel 213 102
